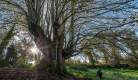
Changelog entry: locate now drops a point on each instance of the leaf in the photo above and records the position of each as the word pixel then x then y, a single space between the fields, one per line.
pixel 133 25
pixel 116 9
pixel 133 18
pixel 3 27
pixel 88 0
pixel 80 7
pixel 109 28
pixel 74 11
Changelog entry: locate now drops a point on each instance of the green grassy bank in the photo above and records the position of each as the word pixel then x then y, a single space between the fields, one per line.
pixel 108 73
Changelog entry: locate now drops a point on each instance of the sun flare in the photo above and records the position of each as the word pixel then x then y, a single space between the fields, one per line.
pixel 33 49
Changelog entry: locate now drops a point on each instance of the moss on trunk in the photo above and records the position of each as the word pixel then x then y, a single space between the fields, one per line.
pixel 52 67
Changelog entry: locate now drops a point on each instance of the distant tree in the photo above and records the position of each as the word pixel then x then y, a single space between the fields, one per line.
pixel 131 43
pixel 6 38
pixel 90 57
pixel 11 55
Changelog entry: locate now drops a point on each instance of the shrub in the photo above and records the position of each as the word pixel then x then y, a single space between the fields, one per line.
pixel 76 67
pixel 3 62
pixel 89 65
pixel 26 65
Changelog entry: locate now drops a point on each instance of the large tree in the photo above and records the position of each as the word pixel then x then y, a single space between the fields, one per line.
pixel 59 26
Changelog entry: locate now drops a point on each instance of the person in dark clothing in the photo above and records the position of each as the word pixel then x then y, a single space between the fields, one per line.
pixel 99 73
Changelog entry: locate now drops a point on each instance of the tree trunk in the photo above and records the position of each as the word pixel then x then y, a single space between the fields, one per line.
pixel 90 57
pixel 91 60
pixel 53 61
pixel 106 59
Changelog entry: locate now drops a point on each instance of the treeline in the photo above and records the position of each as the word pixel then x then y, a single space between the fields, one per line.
pixel 112 49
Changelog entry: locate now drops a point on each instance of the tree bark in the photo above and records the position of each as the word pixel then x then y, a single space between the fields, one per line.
pixel 53 61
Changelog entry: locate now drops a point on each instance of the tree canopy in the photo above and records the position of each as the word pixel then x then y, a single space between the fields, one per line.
pixel 64 28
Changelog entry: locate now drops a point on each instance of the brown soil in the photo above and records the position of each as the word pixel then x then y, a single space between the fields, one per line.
pixel 30 74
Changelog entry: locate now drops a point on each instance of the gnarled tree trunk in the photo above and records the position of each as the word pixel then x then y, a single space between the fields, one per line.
pixel 53 60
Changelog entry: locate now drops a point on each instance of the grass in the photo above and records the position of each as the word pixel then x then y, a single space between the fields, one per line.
pixel 108 73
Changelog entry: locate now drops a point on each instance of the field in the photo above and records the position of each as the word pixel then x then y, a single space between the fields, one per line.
pixel 108 73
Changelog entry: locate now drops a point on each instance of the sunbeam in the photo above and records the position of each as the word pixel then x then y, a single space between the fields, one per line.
pixel 33 49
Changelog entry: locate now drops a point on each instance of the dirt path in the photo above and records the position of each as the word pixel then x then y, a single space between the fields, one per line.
pixel 30 74
pixel 17 74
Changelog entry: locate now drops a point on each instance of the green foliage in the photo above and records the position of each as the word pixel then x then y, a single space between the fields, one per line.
pixel 108 73
pixel 78 67
pixel 6 39
pixel 88 65
pixel 133 25
pixel 3 62
pixel 5 67
pixel 133 18
pixel 26 65
pixel 69 62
